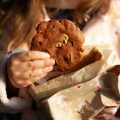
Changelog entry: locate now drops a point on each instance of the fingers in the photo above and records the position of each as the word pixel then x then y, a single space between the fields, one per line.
pixel 22 84
pixel 32 65
pixel 26 78
pixel 26 67
pixel 29 55
pixel 32 73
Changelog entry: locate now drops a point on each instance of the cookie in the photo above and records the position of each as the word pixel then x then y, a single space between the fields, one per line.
pixel 63 40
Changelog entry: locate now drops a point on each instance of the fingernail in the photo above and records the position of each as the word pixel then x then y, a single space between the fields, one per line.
pixel 52 61
pixel 48 69
pixel 46 55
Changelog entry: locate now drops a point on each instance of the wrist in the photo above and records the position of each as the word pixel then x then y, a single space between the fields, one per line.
pixel 16 103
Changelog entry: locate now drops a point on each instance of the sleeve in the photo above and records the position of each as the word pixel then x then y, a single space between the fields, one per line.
pixel 13 104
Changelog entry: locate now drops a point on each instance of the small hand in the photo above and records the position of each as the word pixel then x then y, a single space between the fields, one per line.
pixel 24 68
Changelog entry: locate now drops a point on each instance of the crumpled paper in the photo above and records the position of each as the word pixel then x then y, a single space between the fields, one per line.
pixel 95 86
pixel 84 100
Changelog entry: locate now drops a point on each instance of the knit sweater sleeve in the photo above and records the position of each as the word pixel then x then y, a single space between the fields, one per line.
pixel 16 103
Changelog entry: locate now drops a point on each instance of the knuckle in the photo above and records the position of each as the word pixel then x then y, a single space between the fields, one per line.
pixel 27 75
pixel 29 64
pixel 27 54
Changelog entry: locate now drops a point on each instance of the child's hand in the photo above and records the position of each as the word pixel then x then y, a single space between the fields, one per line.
pixel 26 67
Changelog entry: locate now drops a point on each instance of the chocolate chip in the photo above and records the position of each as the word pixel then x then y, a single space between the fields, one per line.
pixel 71 43
pixel 54 29
pixel 58 45
pixel 55 64
pixel 40 43
pixel 67 58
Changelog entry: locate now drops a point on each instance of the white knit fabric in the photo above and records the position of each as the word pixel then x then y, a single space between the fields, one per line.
pixel 14 104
